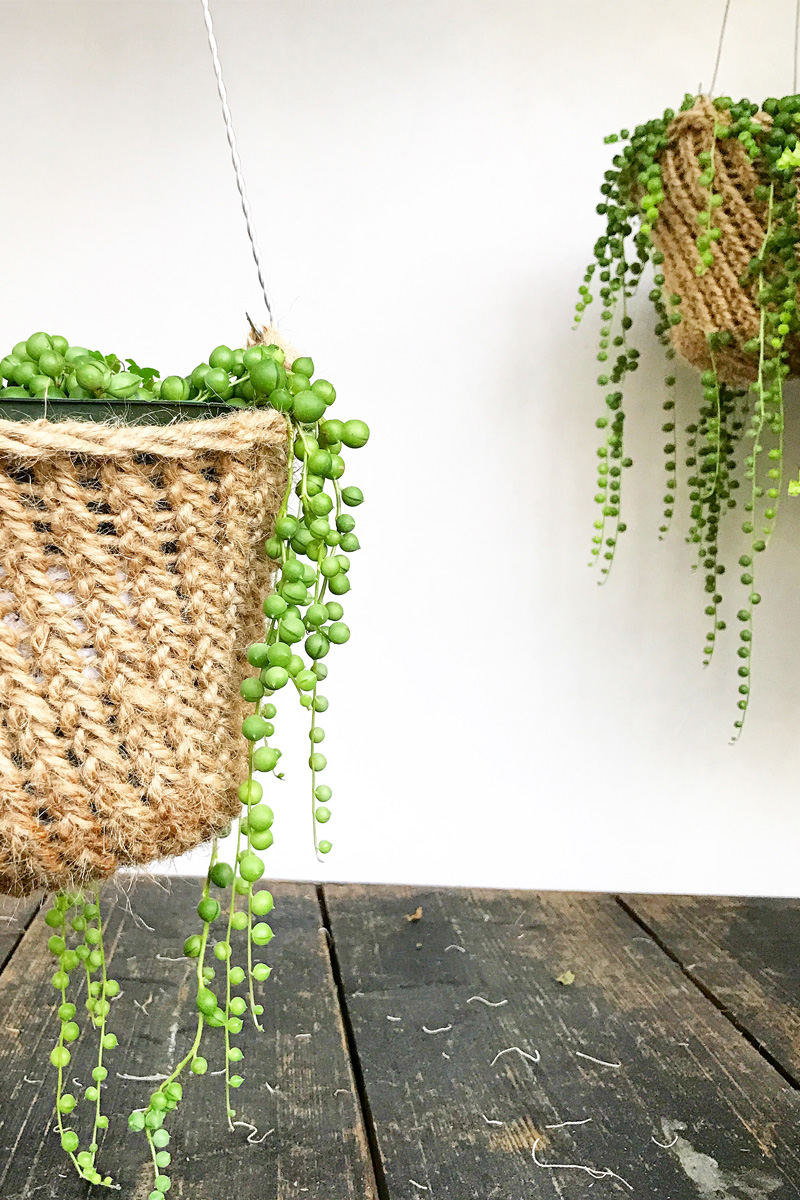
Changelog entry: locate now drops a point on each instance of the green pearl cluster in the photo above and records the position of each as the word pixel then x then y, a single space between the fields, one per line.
pixel 216 1007
pixel 727 419
pixel 309 549
pixel 46 366
pixel 302 620
pixel 77 946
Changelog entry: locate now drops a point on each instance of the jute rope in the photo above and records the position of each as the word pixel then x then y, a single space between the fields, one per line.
pixel 51 439
pixel 716 300
pixel 131 579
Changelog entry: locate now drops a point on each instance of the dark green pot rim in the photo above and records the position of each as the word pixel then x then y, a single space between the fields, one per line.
pixel 130 412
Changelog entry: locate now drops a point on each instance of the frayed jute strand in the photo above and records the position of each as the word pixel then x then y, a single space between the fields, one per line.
pixel 594 1172
pixel 270 335
pixel 132 574
pixel 665 1145
pixel 534 1058
pixel 252 1139
pixel 601 1062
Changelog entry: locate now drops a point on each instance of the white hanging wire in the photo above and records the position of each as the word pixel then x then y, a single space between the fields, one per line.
pixel 235 159
pixel 719 47
pixel 795 48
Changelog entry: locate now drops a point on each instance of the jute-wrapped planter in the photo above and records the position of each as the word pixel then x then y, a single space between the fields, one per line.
pixel 716 300
pixel 132 574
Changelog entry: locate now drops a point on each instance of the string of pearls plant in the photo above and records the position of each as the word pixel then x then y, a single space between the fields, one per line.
pixel 734 442
pixel 313 538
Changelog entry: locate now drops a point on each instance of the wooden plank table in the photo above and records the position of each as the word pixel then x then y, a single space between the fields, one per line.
pixel 440 1045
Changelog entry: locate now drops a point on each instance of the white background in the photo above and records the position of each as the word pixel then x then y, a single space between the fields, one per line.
pixel 423 175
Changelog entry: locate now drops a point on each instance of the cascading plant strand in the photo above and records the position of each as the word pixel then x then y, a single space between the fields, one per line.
pixel 310 553
pixel 744 193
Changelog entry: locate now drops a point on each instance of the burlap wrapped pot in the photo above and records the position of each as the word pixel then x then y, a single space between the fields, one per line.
pixel 132 574
pixel 716 300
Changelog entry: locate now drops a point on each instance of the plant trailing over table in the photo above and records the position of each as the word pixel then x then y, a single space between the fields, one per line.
pixel 308 557
pixel 708 196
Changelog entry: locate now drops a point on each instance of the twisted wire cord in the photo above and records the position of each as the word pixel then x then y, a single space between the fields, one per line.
pixel 719 47
pixel 235 159
pixel 795 47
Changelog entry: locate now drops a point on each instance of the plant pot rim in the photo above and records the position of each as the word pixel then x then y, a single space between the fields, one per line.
pixel 237 431
pixel 131 412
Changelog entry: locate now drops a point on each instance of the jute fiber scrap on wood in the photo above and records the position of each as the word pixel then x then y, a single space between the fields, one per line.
pixel 714 301
pixel 132 575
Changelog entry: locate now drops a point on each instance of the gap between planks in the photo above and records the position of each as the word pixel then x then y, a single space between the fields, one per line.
pixel 18 916
pixel 352 1050
pixel 719 1004
pixel 28 915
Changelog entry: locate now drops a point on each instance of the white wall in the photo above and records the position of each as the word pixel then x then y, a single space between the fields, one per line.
pixel 423 175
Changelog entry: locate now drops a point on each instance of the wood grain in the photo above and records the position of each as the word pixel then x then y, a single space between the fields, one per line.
pixel 15 917
pixel 453 1121
pixel 746 952
pixel 298 1084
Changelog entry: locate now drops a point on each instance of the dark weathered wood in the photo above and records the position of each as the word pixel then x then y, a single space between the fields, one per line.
pixel 449 1125
pixel 745 952
pixel 15 917
pixel 315 1148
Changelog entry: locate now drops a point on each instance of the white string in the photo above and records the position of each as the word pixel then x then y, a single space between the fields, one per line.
pixel 534 1058
pixel 237 162
pixel 796 52
pixel 719 47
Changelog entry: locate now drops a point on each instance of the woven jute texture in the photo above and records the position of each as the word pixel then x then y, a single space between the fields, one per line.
pixel 132 575
pixel 716 300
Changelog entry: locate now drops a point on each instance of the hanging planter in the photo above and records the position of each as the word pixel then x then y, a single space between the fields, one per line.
pixel 132 574
pixel 142 647
pixel 709 180
pixel 173 556
pixel 708 198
